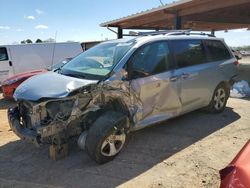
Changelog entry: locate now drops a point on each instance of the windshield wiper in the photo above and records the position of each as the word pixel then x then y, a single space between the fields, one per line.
pixel 73 75
pixel 57 70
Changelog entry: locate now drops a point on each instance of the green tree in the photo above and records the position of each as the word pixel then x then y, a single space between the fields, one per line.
pixel 28 41
pixel 39 41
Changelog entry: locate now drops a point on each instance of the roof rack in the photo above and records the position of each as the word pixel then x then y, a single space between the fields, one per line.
pixel 191 33
pixel 164 32
pixel 169 32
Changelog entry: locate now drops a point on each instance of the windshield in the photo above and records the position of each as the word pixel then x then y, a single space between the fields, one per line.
pixel 98 61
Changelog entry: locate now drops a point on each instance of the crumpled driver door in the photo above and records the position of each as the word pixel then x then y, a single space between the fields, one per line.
pixel 160 96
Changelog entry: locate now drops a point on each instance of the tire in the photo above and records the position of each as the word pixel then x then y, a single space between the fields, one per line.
pixel 107 136
pixel 219 99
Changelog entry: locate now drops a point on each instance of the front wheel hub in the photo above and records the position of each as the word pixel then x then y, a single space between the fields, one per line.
pixel 113 144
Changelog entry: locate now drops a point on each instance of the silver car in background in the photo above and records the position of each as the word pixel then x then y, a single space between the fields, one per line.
pixel 120 86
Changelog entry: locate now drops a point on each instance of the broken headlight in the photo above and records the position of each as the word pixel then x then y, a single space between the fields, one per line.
pixel 60 109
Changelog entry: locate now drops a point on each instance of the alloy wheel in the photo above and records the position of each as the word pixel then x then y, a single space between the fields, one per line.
pixel 219 99
pixel 113 144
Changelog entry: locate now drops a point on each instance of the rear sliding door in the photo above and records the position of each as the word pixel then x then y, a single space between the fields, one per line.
pixel 193 72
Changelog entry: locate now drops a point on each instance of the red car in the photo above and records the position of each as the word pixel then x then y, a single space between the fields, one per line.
pixel 9 85
pixel 237 173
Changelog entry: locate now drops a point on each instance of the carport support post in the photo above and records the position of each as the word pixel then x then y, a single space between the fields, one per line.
pixel 212 32
pixel 119 33
pixel 177 22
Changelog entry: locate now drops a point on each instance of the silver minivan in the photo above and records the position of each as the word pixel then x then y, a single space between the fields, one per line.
pixel 121 86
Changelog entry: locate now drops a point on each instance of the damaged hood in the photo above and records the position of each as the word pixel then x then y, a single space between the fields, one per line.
pixel 49 85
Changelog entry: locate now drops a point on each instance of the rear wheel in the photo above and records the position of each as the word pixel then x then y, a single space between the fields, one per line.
pixel 107 136
pixel 219 99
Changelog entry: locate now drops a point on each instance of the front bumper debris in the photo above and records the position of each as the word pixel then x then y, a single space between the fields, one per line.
pixel 22 132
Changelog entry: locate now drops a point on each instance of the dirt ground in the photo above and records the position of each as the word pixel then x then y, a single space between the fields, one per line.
pixel 187 151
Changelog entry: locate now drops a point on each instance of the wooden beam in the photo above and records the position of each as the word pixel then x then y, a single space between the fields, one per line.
pixel 147 20
pixel 151 16
pixel 213 25
pixel 209 5
pixel 239 15
pixel 149 27
pixel 157 22
pixel 219 20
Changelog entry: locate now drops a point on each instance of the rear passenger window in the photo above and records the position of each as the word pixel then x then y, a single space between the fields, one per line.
pixel 3 54
pixel 189 52
pixel 217 50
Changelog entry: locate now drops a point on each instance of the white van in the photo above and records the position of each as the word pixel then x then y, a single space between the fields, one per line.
pixel 20 58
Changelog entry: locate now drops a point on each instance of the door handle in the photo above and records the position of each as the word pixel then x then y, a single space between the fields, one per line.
pixel 185 75
pixel 10 63
pixel 221 66
pixel 173 78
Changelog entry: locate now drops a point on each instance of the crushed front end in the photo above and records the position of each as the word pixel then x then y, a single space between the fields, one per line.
pixel 55 121
pixel 50 122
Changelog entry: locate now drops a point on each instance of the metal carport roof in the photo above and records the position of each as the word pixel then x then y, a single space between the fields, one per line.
pixel 202 15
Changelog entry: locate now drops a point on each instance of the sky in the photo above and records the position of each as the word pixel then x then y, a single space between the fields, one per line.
pixel 77 20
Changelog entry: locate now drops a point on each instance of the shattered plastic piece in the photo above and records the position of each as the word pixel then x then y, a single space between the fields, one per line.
pixel 237 173
pixel 240 89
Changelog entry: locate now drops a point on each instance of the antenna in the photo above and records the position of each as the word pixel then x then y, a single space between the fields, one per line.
pixel 54 47
pixel 161 3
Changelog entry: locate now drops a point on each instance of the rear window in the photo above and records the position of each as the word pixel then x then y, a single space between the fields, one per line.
pixel 188 52
pixel 3 54
pixel 217 50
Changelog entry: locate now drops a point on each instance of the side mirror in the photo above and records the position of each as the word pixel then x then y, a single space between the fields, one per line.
pixel 124 74
pixel 237 54
pixel 238 57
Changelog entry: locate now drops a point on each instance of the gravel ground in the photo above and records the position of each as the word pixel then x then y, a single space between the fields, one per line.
pixel 187 151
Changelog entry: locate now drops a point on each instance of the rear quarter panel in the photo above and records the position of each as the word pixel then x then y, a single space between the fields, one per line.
pixel 218 72
pixel 221 71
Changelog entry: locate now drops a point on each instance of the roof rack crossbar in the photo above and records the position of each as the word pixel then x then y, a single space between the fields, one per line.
pixel 170 32
pixel 163 32
pixel 191 33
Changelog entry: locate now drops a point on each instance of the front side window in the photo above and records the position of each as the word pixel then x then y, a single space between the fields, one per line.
pixel 151 59
pixel 217 50
pixel 98 61
pixel 3 54
pixel 188 52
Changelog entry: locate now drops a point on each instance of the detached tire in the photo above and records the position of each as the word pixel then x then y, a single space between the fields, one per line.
pixel 219 99
pixel 106 137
